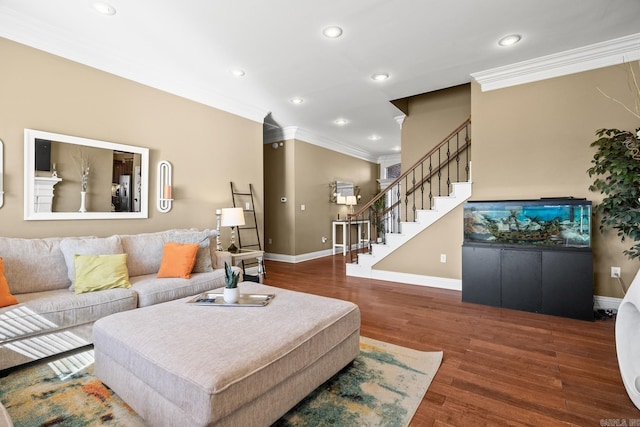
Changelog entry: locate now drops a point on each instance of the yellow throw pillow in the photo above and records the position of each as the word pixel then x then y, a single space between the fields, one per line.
pixel 6 298
pixel 100 272
pixel 178 259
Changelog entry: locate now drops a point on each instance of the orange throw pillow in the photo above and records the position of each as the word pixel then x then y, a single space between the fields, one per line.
pixel 178 259
pixel 6 298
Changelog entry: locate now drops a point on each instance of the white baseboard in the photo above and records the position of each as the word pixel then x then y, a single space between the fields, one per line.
pixel 606 303
pixel 416 279
pixel 297 258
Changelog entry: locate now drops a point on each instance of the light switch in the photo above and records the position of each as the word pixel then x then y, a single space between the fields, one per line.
pixel 302 207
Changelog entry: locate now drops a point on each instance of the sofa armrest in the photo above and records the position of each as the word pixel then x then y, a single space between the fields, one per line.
pixel 220 257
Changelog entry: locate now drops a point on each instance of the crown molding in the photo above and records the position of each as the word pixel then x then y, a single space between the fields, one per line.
pixel 294 132
pixel 598 55
pixel 389 159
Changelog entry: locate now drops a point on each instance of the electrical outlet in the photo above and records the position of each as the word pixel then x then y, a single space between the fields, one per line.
pixel 443 258
pixel 324 239
pixel 615 272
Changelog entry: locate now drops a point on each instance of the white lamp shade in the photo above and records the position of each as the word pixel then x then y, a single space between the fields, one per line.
pixel 352 200
pixel 232 217
pixel 341 200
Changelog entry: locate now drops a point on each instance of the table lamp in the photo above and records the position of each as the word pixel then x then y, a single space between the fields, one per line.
pixel 232 217
pixel 351 201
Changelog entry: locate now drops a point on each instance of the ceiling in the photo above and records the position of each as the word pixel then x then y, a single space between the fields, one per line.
pixel 191 47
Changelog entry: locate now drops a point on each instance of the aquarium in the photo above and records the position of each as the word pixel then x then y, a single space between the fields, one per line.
pixel 547 222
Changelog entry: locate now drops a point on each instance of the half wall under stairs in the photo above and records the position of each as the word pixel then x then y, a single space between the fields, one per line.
pixel 365 266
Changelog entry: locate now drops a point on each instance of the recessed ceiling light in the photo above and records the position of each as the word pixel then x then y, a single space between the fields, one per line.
pixel 296 100
pixel 375 137
pixel 380 77
pixel 332 32
pixel 341 121
pixel 510 40
pixel 238 72
pixel 104 8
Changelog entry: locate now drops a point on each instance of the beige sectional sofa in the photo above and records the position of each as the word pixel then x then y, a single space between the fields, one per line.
pixel 50 318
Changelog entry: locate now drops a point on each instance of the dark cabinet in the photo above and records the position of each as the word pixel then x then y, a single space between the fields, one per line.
pixel 549 281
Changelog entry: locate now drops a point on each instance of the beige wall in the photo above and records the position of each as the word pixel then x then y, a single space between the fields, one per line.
pixel 431 118
pixel 528 141
pixel 533 140
pixel 302 172
pixel 207 147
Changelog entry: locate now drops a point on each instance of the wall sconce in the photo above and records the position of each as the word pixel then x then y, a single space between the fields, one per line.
pixel 1 174
pixel 232 217
pixel 164 186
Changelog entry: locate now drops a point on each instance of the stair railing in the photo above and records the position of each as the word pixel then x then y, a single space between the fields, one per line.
pixel 431 176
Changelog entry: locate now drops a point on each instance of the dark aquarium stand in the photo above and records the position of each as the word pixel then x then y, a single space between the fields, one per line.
pixel 529 255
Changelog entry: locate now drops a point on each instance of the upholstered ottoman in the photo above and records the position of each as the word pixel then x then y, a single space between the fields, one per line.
pixel 178 363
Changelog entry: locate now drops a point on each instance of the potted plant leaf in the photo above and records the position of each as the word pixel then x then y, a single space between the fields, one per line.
pixel 231 290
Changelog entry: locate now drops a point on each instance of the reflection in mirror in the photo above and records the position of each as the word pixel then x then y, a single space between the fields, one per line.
pixel 340 190
pixel 68 177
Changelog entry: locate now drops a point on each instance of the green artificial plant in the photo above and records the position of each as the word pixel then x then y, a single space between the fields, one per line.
pixel 230 278
pixel 616 166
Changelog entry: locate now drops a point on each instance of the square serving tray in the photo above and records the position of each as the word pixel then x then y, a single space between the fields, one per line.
pixel 245 300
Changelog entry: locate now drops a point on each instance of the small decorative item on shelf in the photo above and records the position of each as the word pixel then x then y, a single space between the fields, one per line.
pixel 231 290
pixel 164 186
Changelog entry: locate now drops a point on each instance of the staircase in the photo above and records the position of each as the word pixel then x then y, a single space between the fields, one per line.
pixel 429 190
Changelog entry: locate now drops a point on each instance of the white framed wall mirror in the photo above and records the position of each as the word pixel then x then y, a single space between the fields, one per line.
pixel 68 177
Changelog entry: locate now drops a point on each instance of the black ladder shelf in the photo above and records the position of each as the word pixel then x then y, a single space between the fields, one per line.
pixel 248 236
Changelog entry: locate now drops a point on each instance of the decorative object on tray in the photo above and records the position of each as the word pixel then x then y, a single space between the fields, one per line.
pixel 231 290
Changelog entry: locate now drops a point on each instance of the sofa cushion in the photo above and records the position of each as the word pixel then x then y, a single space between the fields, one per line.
pixel 153 290
pixel 144 252
pixel 202 238
pixel 33 265
pixel 6 298
pixel 100 272
pixel 72 246
pixel 178 259
pixel 60 309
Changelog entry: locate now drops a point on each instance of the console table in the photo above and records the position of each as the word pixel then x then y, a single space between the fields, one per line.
pixel 360 224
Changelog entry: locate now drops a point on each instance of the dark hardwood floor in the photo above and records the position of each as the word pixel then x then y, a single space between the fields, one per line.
pixel 500 366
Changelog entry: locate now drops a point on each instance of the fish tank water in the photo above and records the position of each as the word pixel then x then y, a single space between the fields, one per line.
pixel 563 222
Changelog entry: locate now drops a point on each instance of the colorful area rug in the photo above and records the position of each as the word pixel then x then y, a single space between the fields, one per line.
pixel 382 387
